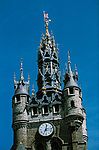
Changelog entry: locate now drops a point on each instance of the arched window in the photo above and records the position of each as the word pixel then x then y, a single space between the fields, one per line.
pixel 56 108
pixel 72 104
pixel 45 109
pixel 34 111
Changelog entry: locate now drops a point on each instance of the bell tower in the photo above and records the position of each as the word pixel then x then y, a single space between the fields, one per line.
pixel 49 94
pixel 51 118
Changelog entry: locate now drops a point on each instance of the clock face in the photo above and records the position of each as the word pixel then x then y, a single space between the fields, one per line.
pixel 46 129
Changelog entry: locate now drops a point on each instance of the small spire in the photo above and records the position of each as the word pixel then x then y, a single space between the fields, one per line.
pixel 69 57
pixel 21 70
pixel 46 20
pixel 69 62
pixel 70 77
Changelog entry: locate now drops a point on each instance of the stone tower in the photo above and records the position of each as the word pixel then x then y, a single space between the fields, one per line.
pixel 52 118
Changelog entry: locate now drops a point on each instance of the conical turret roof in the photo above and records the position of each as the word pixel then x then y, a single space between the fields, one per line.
pixel 21 87
pixel 70 78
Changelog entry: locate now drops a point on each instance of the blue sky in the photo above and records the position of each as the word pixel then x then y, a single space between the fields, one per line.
pixel 75 27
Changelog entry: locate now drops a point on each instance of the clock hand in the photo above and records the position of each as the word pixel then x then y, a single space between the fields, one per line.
pixel 45 128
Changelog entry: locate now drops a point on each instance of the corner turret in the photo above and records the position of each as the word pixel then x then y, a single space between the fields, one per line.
pixel 72 94
pixel 19 104
pixel 74 113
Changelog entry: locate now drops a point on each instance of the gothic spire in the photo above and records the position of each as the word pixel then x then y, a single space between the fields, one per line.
pixel 21 86
pixel 69 64
pixel 21 71
pixel 48 62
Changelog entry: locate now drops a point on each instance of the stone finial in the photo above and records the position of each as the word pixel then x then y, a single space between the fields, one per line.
pixel 21 70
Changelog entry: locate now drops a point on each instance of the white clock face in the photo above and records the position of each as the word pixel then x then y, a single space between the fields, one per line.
pixel 46 129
